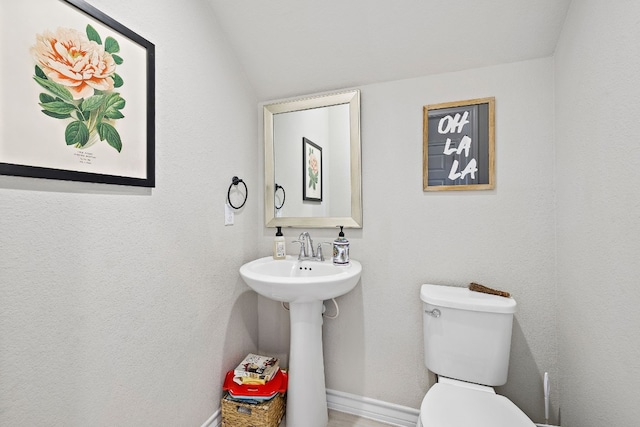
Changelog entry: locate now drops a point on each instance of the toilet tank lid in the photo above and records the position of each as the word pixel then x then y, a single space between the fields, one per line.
pixel 464 299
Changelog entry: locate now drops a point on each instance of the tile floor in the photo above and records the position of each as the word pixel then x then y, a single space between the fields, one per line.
pixel 340 419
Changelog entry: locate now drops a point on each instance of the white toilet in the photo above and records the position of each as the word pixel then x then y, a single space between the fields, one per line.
pixel 467 340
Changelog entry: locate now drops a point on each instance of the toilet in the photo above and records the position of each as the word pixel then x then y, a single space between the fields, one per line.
pixel 467 341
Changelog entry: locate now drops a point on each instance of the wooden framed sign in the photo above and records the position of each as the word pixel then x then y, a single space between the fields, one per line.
pixel 458 145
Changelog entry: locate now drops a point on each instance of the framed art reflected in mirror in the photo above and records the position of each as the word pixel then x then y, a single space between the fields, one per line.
pixel 312 171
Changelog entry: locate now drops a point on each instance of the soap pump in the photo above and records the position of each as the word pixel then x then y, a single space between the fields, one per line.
pixel 341 249
pixel 279 249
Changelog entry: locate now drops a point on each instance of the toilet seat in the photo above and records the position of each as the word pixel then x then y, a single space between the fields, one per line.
pixel 450 405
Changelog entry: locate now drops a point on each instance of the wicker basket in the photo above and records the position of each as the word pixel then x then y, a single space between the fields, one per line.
pixel 264 414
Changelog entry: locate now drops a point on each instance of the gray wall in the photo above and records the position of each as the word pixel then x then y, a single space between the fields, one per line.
pixel 503 238
pixel 121 306
pixel 560 231
pixel 124 306
pixel 598 171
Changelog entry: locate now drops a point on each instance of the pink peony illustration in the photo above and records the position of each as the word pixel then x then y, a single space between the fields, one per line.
pixel 313 163
pixel 78 75
pixel 69 58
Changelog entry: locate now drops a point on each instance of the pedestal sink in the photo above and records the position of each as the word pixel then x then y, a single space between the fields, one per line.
pixel 304 285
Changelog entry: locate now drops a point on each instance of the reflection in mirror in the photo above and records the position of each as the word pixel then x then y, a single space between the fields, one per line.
pixel 312 162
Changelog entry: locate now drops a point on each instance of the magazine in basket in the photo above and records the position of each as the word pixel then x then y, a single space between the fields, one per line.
pixel 257 367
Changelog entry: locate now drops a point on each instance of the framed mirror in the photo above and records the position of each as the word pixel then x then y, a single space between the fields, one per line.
pixel 312 162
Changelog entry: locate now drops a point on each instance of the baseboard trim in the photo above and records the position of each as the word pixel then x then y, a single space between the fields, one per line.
pixel 365 407
pixel 376 410
pixel 214 420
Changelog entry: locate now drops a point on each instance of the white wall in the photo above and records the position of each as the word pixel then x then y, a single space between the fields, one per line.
pixel 598 157
pixel 289 129
pixel 122 306
pixel 502 238
pixel 329 128
pixel 337 165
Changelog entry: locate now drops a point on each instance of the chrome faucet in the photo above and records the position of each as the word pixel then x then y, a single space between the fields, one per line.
pixel 307 251
pixel 306 245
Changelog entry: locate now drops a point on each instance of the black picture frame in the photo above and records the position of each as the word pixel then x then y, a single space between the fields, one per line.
pixel 312 174
pixel 142 173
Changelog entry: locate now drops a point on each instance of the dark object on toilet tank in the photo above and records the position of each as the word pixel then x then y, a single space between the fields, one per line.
pixel 484 289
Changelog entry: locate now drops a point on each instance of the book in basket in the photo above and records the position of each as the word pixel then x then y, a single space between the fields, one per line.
pixel 257 367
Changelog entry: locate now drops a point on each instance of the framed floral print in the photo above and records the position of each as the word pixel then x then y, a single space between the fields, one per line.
pixel 78 98
pixel 311 171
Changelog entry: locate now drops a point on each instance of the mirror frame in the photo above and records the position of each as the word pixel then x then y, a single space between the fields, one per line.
pixel 352 98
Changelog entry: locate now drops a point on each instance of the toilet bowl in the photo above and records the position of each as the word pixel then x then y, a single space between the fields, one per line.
pixel 451 403
pixel 467 341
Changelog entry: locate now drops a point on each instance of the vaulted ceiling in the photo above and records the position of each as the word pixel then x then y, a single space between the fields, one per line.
pixel 295 47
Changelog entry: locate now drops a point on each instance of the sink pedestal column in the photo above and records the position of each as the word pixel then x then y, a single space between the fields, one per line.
pixel 307 395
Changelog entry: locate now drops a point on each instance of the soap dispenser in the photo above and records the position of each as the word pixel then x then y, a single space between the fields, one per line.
pixel 279 249
pixel 341 249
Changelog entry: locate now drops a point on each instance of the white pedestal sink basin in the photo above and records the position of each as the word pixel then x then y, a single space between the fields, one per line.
pixel 304 285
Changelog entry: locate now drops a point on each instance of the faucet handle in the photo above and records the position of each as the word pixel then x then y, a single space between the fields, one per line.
pixel 319 254
pixel 303 248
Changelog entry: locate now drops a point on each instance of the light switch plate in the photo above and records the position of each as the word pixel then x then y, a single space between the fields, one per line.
pixel 228 214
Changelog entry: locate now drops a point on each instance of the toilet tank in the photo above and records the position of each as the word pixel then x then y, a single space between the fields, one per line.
pixel 467 334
